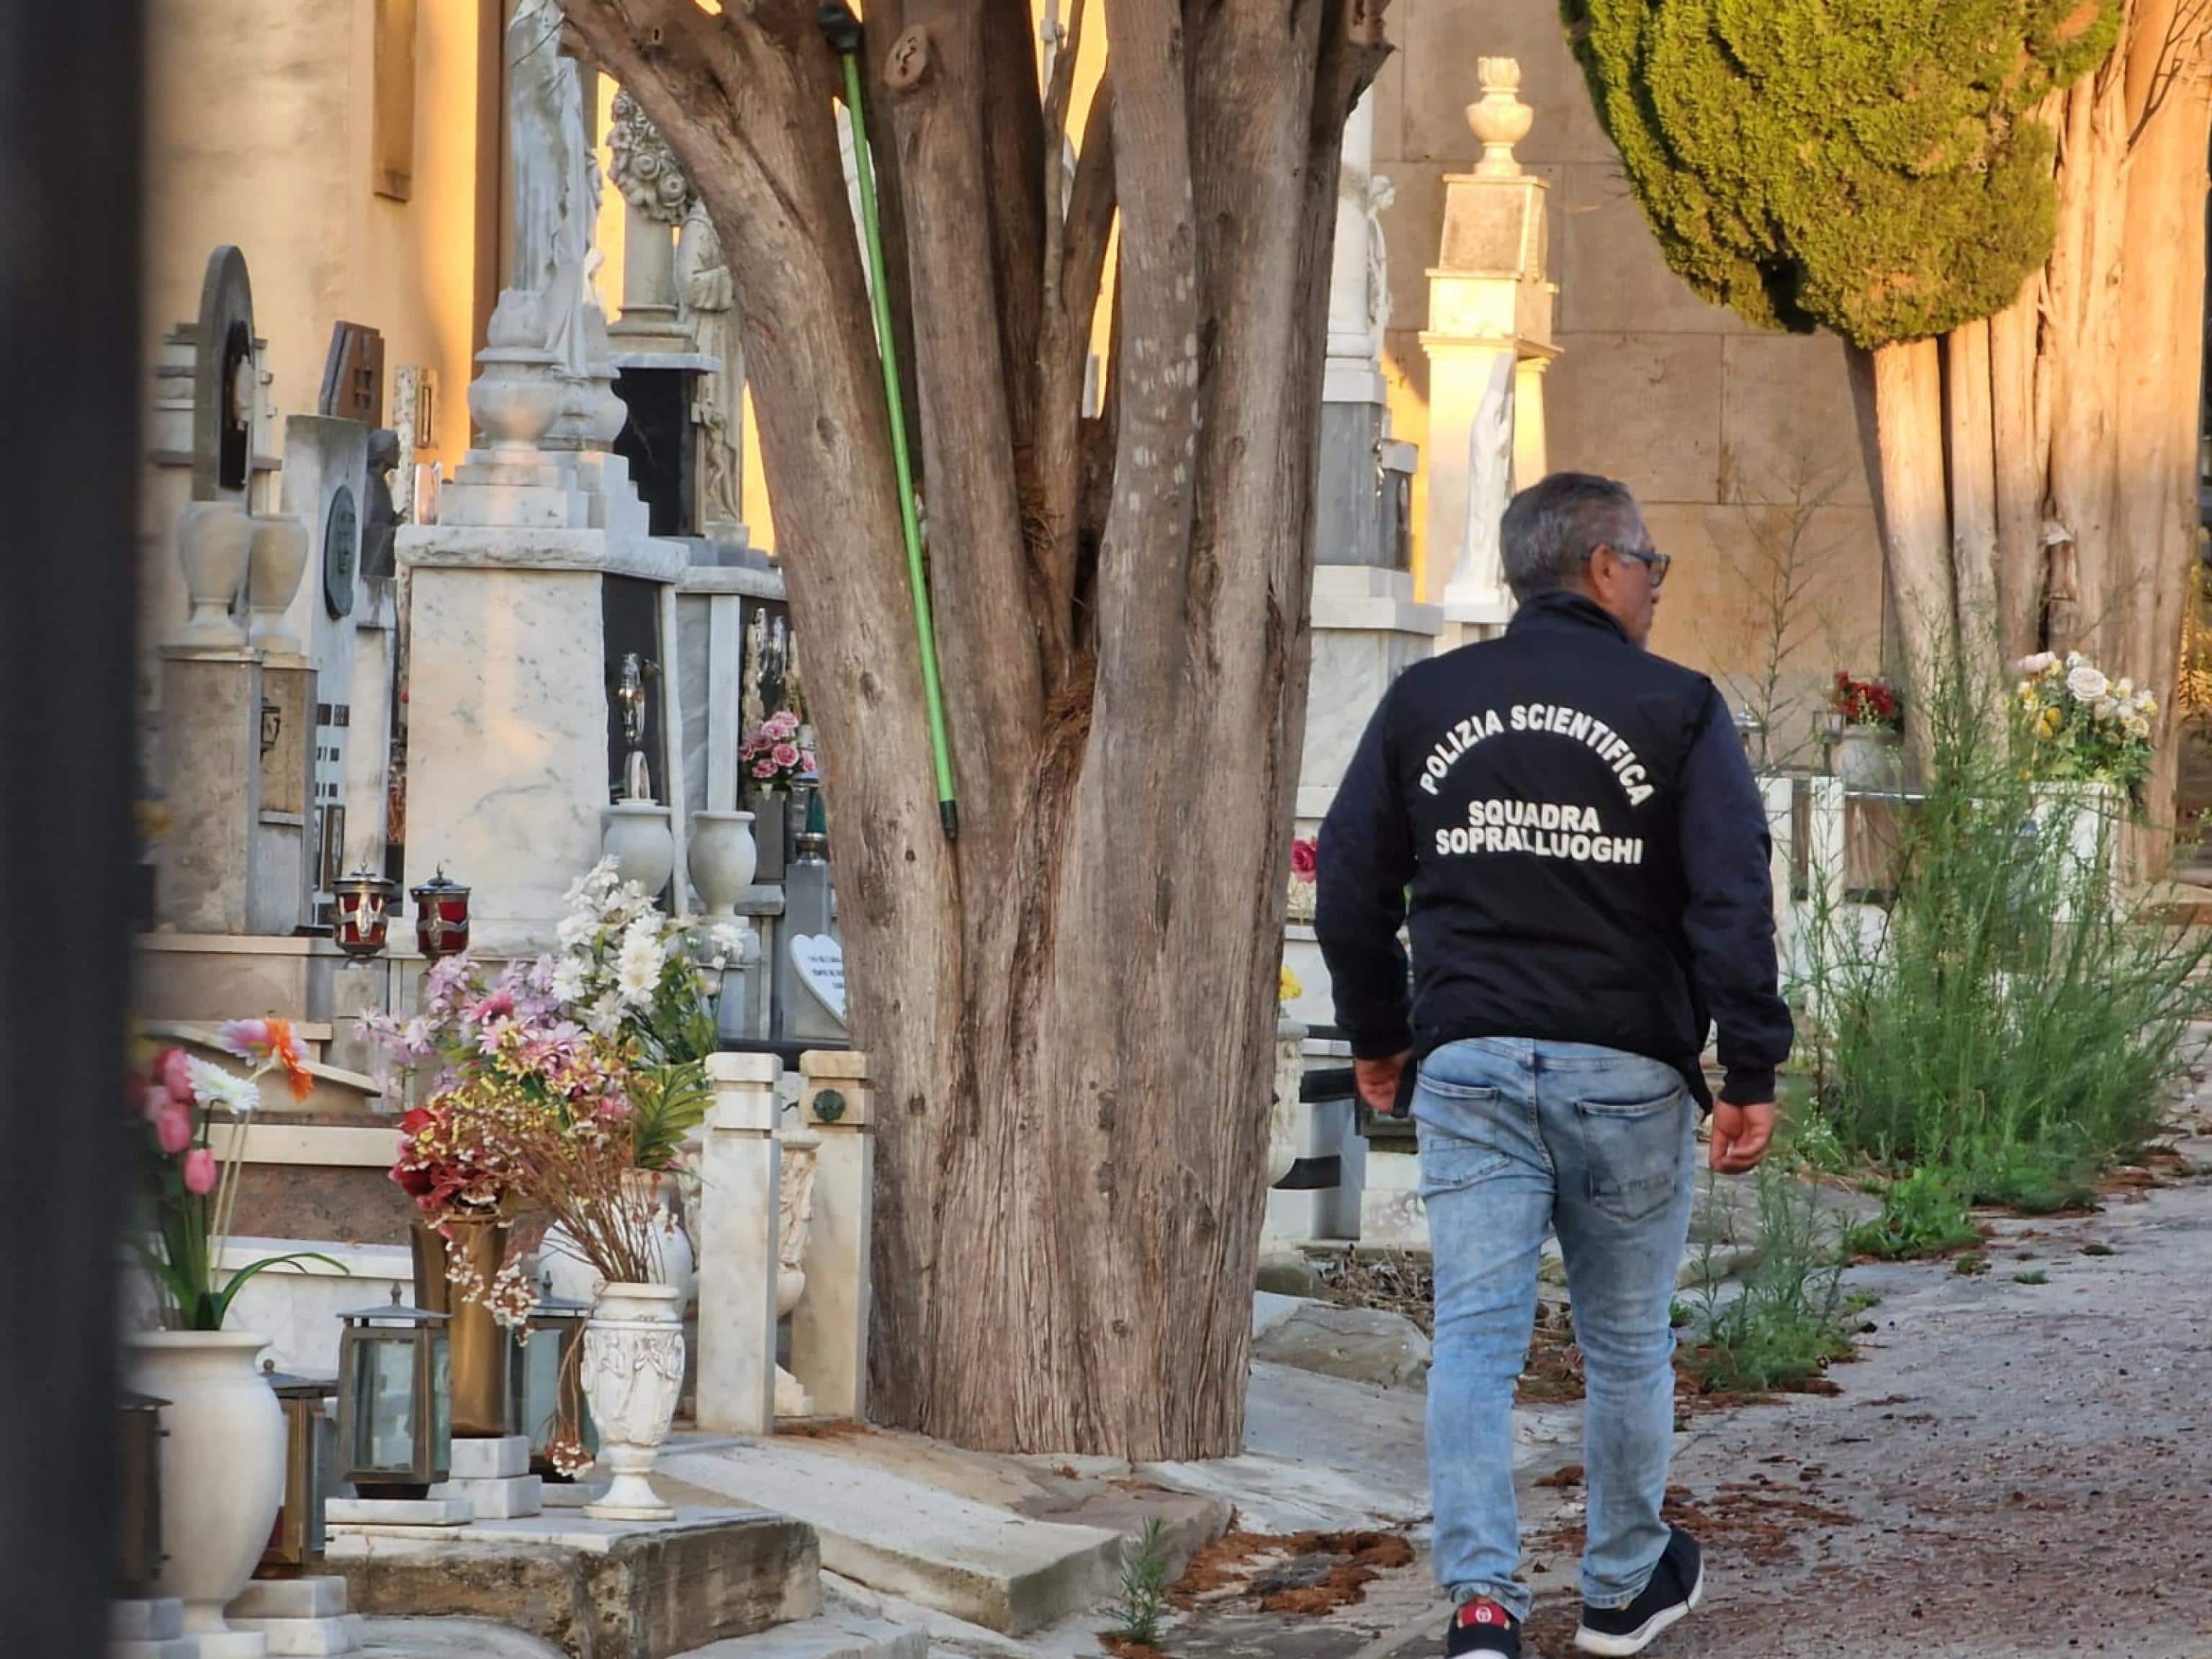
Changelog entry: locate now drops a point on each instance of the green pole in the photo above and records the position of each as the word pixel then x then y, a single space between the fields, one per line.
pixel 843 29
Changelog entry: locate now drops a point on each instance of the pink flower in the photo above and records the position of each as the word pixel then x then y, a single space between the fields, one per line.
pixel 175 1072
pixel 785 755
pixel 199 1171
pixel 764 768
pixel 246 1038
pixel 1306 860
pixel 496 1005
pixel 807 761
pixel 781 724
pixel 173 1127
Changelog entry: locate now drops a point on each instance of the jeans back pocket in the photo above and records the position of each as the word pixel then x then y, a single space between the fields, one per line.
pixel 1633 1152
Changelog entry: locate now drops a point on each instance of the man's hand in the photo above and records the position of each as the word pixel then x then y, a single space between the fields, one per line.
pixel 1378 1080
pixel 1740 1136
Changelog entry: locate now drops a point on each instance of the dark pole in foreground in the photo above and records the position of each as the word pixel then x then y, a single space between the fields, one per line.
pixel 70 379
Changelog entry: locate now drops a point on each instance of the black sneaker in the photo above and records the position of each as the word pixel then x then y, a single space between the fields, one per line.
pixel 1677 1585
pixel 1483 1627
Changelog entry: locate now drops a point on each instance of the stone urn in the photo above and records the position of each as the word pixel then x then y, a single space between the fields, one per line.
pixel 723 859
pixel 638 837
pixel 633 1372
pixel 1865 757
pixel 214 545
pixel 280 559
pixel 1498 118
pixel 223 1464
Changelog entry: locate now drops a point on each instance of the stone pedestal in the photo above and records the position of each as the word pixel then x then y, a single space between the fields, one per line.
pixel 360 1517
pixel 150 1630
pixel 829 1327
pixel 1368 630
pixel 493 1477
pixel 298 1616
pixel 508 763
pixel 1488 339
pixel 740 1181
pixel 211 783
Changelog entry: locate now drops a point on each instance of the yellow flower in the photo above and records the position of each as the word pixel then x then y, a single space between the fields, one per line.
pixel 2047 726
pixel 1290 989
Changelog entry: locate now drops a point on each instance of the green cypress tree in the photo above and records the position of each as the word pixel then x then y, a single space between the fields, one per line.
pixel 1870 166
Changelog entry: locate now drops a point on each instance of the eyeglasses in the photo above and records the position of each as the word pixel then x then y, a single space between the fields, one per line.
pixel 1650 557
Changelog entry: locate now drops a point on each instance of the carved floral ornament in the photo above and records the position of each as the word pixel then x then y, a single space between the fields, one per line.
pixel 643 167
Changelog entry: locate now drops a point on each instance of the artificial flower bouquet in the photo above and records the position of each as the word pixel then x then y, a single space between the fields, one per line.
pixel 1862 703
pixel 189 1191
pixel 771 755
pixel 2078 725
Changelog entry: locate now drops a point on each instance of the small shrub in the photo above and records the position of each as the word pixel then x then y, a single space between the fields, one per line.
pixel 1973 1265
pixel 2032 1276
pixel 1923 1214
pixel 1143 1607
pixel 1791 1319
pixel 2098 1250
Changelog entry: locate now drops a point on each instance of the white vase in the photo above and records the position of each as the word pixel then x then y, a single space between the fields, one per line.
pixel 636 836
pixel 1865 757
pixel 280 559
pixel 223 1464
pixel 723 859
pixel 633 1367
pixel 214 545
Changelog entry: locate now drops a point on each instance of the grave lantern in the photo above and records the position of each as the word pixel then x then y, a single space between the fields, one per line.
pixel 138 1437
pixel 364 901
pixel 557 1329
pixel 297 1540
pixel 441 917
pixel 395 1405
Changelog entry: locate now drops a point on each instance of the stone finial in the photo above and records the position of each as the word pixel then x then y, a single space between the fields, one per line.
pixel 1498 118
pixel 642 166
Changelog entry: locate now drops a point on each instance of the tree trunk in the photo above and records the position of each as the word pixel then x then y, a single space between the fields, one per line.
pixel 2037 473
pixel 1070 1011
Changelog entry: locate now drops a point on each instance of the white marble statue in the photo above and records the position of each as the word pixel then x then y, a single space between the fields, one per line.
pixel 1489 485
pixel 555 183
pixel 708 297
pixel 1381 192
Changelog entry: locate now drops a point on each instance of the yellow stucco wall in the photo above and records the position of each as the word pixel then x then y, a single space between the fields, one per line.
pixel 260 121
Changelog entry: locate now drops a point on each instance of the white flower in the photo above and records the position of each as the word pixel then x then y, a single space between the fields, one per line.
pixel 575 927
pixel 2030 667
pixel 637 967
pixel 2123 688
pixel 219 1088
pixel 605 1017
pixel 569 979
pixel 2107 709
pixel 2086 683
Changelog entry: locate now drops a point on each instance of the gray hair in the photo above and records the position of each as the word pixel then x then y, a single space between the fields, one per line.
pixel 1552 528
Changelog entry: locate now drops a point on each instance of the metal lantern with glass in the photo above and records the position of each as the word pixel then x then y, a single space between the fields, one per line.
pixel 362 905
pixel 295 1542
pixel 442 916
pixel 395 1410
pixel 138 1437
pixel 541 1363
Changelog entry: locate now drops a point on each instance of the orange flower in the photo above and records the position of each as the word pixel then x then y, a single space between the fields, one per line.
pixel 284 1047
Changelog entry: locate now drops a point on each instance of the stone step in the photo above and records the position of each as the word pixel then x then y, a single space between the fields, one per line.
pixel 832 1636
pixel 586 1588
pixel 985 1543
pixel 336 1090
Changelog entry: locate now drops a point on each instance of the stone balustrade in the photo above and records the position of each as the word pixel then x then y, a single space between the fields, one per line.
pixel 783 1223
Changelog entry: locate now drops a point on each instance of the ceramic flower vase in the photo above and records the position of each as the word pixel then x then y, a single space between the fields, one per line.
pixel 1865 757
pixel 633 1372
pixel 723 859
pixel 223 1464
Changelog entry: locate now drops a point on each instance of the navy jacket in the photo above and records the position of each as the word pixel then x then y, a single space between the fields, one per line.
pixel 1585 851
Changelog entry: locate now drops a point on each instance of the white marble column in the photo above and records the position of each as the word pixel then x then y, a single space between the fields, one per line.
pixel 740 1181
pixel 829 1327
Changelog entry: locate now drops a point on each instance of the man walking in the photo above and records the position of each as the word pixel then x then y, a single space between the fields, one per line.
pixel 1585 856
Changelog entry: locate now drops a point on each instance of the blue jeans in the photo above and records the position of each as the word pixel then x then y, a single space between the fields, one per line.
pixel 1518 1138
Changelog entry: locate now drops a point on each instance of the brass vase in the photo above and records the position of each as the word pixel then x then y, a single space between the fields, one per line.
pixel 476 1343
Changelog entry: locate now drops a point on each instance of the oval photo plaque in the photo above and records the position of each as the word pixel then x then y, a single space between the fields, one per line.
pixel 341 552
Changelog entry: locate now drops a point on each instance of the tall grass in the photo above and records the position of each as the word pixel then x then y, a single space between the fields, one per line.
pixel 2015 1018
